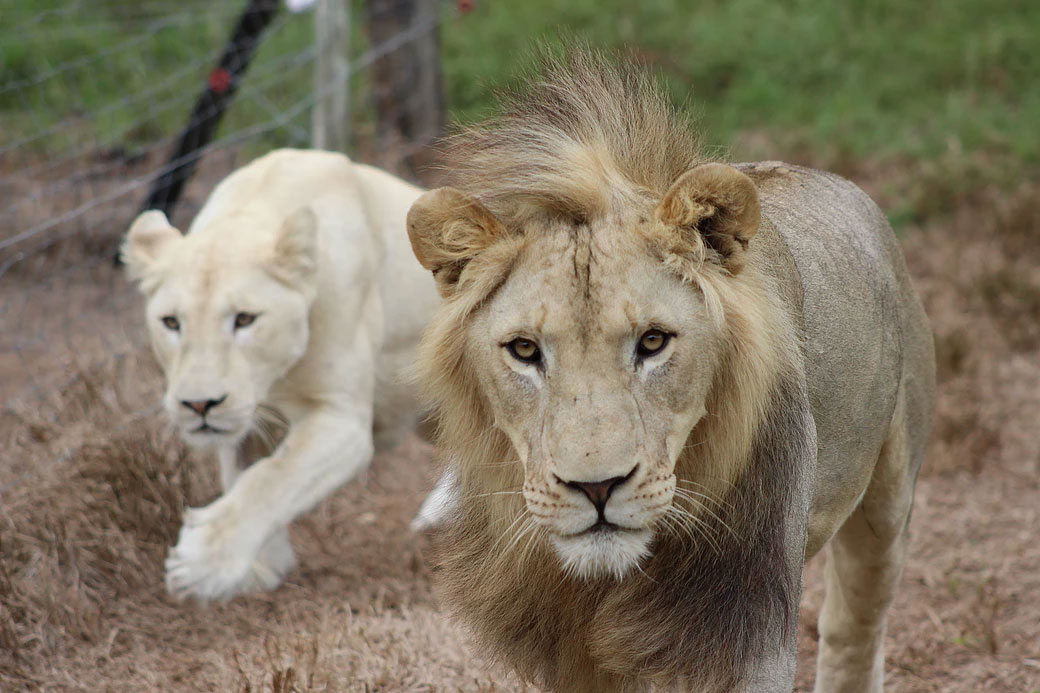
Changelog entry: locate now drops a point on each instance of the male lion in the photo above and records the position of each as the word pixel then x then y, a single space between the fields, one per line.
pixel 294 294
pixel 663 383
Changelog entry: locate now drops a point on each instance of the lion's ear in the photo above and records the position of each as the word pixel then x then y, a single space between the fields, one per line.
pixel 718 202
pixel 296 247
pixel 150 235
pixel 448 228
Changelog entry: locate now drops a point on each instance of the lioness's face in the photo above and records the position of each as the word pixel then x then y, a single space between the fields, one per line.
pixel 222 339
pixel 597 362
pixel 225 325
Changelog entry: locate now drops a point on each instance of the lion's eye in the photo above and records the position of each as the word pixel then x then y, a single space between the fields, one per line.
pixel 525 350
pixel 244 320
pixel 652 342
pixel 171 323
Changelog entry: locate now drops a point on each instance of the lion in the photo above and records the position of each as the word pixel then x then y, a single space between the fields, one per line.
pixel 664 382
pixel 293 298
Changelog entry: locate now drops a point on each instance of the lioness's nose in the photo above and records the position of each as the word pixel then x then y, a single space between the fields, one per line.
pixel 201 406
pixel 599 491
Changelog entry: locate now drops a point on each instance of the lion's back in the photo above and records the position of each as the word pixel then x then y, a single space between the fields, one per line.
pixel 867 338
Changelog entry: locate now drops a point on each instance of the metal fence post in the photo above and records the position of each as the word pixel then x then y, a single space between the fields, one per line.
pixel 330 120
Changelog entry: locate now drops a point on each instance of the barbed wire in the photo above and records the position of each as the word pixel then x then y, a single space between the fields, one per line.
pixel 278 120
pixel 254 87
pixel 65 67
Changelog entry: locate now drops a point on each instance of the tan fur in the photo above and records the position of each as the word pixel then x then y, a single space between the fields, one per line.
pixel 590 197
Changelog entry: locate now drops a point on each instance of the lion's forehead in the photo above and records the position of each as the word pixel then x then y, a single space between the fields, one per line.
pixel 583 282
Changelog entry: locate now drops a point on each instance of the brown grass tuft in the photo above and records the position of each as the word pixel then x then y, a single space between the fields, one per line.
pixel 87 537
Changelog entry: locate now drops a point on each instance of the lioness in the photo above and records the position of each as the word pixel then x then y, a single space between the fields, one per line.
pixel 663 383
pixel 294 292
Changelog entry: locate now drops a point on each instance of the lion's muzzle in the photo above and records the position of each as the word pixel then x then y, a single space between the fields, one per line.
pixel 599 492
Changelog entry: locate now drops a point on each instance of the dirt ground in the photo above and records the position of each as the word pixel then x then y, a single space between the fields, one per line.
pixel 93 484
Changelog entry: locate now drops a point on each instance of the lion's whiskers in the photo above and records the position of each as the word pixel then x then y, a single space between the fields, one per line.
pixel 704 494
pixel 694 499
pixel 532 531
pixel 691 446
pixel 503 463
pixel 504 492
pixel 679 523
pixel 523 515
pixel 522 518
pixel 644 573
pixel 694 527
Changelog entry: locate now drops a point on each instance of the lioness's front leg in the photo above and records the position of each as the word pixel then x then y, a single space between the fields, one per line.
pixel 239 542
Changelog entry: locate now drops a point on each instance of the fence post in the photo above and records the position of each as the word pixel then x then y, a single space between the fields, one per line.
pixel 330 119
pixel 406 81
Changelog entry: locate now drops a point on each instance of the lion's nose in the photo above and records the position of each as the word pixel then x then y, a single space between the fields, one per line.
pixel 202 406
pixel 599 491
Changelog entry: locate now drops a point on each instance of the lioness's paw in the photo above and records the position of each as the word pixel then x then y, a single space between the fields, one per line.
pixel 215 559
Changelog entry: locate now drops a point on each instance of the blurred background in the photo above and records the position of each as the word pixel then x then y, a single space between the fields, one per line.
pixel 110 106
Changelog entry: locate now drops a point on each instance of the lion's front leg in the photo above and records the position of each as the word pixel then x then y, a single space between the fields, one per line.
pixel 775 674
pixel 864 563
pixel 240 543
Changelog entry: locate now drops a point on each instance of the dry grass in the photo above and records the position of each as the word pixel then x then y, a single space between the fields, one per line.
pixel 91 498
pixel 81 550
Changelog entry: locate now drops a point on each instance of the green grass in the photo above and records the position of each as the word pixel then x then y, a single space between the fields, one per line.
pixel 941 90
pixel 115 74
pixel 861 78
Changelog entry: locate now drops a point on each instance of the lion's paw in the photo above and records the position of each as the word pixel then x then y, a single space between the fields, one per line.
pixel 215 559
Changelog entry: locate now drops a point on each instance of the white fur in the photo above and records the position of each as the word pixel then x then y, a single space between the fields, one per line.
pixel 315 247
pixel 440 504
pixel 603 554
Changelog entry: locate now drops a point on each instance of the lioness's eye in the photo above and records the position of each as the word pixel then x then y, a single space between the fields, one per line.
pixel 171 323
pixel 244 319
pixel 652 342
pixel 524 350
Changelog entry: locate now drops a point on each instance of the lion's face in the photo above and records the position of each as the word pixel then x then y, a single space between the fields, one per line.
pixel 227 314
pixel 594 354
pixel 596 361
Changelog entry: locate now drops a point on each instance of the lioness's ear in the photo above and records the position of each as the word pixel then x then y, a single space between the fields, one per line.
pixel 448 228
pixel 721 204
pixel 296 247
pixel 148 238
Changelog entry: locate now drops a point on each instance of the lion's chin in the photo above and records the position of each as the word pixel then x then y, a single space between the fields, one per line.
pixel 603 554
pixel 209 436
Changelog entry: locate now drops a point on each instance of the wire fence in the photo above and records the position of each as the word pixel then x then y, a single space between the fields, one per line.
pixel 94 95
